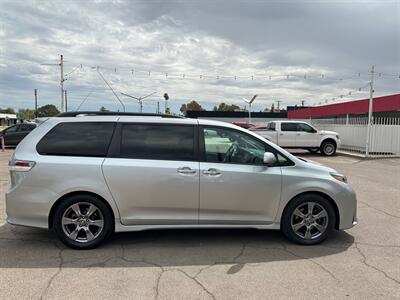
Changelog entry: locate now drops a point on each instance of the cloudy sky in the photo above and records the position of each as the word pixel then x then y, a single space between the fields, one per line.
pixel 210 51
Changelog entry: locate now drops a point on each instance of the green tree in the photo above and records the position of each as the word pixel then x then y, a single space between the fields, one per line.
pixel 26 114
pixel 103 109
pixel 226 107
pixel 7 110
pixel 48 110
pixel 192 105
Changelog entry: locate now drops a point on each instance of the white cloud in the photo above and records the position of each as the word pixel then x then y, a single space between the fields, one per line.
pixel 189 40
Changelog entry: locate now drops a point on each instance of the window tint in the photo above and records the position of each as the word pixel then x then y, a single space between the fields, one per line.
pixel 289 126
pixel 304 127
pixel 224 145
pixel 157 141
pixel 12 129
pixel 231 146
pixel 77 139
pixel 26 127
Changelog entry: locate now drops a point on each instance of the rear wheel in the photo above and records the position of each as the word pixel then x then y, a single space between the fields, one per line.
pixel 308 219
pixel 328 148
pixel 83 222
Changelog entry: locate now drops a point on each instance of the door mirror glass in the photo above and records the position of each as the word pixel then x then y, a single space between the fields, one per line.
pixel 269 158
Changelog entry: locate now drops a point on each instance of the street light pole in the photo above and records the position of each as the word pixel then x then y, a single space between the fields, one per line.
pixel 371 98
pixel 250 102
pixel 36 112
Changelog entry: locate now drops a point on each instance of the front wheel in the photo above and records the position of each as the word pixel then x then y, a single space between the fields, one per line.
pixel 308 219
pixel 328 148
pixel 83 222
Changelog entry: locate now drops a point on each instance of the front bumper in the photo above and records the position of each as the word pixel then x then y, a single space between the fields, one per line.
pixel 347 205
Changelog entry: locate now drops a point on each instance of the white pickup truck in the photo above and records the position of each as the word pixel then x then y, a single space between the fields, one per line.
pixel 297 134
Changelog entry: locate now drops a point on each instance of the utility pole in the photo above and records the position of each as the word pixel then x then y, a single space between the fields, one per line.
pixel 66 101
pixel 279 103
pixel 62 83
pixel 36 112
pixel 371 98
pixel 302 102
pixel 62 79
pixel 158 107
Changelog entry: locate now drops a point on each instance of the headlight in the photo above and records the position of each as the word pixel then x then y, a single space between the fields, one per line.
pixel 339 177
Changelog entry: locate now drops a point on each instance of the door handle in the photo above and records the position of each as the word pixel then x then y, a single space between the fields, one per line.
pixel 212 172
pixel 186 170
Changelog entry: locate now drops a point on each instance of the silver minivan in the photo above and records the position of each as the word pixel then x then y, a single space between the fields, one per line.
pixel 86 177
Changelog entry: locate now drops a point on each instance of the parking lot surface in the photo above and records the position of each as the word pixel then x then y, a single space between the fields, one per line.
pixel 360 263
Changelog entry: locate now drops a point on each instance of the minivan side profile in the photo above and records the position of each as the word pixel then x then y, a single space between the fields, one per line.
pixel 87 177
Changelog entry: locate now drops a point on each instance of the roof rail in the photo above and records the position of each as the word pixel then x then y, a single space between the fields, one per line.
pixel 113 113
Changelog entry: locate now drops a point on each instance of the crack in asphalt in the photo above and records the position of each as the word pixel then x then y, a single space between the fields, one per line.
pixel 52 278
pixel 364 261
pixel 311 260
pixel 380 210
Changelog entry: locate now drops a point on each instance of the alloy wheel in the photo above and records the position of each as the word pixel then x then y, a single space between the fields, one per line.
pixel 82 222
pixel 309 220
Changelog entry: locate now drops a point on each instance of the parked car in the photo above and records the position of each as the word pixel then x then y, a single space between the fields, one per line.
pixel 296 134
pixel 14 134
pixel 87 177
pixel 245 125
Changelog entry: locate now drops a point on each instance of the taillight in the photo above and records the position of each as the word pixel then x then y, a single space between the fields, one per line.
pixel 21 165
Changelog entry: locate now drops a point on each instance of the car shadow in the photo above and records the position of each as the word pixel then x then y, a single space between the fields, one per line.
pixel 22 247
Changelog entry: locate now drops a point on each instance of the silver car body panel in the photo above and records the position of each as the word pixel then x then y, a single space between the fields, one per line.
pixel 149 194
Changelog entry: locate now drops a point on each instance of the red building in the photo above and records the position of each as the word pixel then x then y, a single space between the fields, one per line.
pixel 382 106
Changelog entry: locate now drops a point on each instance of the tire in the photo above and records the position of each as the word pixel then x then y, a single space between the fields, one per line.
pixel 328 148
pixel 313 150
pixel 90 228
pixel 291 219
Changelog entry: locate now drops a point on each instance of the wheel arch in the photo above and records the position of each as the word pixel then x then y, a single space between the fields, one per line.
pixel 327 197
pixel 70 194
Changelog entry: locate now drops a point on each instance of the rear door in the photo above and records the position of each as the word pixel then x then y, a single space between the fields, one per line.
pixel 152 171
pixel 287 135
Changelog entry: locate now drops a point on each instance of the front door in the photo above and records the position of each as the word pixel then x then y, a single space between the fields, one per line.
pixel 306 136
pixel 235 186
pixel 154 175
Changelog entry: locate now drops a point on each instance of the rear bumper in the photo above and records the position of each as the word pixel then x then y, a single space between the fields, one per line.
pixel 28 207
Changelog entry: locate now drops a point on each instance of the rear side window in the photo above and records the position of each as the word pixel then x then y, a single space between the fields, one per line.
pixel 157 141
pixel 288 126
pixel 77 139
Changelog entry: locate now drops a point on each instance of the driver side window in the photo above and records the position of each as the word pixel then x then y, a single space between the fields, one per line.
pixel 224 145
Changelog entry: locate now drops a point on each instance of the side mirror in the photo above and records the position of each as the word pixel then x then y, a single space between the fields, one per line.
pixel 269 159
